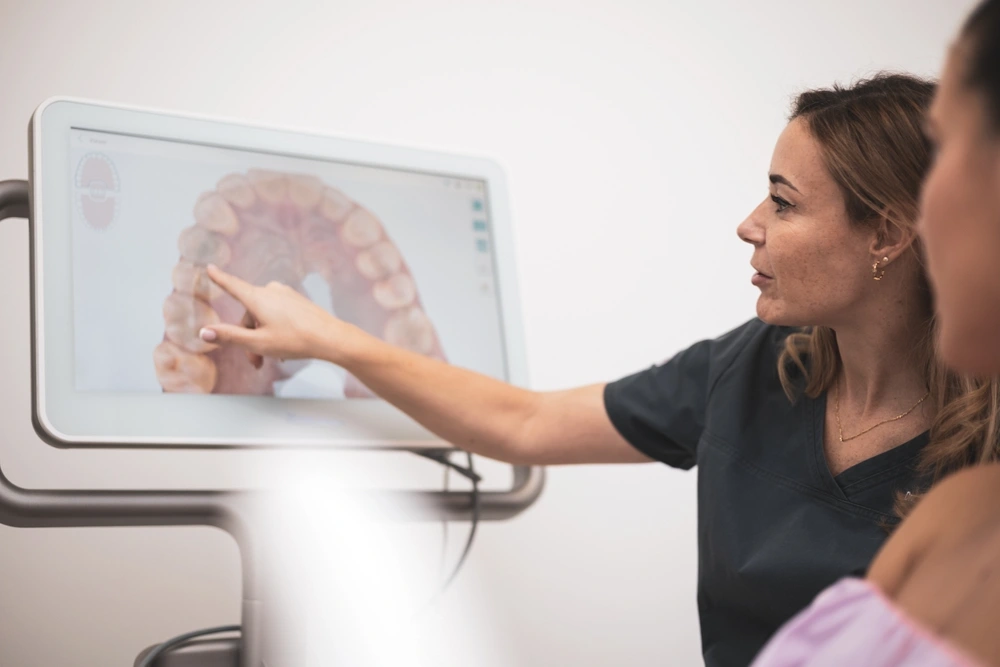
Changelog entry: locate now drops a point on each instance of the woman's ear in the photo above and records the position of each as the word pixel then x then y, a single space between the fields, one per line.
pixel 892 239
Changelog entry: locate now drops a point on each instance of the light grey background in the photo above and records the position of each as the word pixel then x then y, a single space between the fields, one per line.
pixel 636 136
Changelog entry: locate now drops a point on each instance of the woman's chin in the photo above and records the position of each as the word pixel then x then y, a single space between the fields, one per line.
pixel 770 312
pixel 767 312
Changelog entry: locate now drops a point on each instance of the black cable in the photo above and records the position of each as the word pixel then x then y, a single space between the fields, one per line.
pixel 470 473
pixel 183 639
pixel 445 487
pixel 441 456
pixel 475 523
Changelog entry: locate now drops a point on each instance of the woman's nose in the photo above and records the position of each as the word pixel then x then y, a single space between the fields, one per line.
pixel 750 230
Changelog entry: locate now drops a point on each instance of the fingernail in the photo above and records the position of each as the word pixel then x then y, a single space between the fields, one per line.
pixel 213 267
pixel 207 335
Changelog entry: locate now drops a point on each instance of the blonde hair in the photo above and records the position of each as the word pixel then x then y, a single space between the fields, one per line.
pixel 874 147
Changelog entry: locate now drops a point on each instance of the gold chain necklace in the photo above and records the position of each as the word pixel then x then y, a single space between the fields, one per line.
pixel 840 429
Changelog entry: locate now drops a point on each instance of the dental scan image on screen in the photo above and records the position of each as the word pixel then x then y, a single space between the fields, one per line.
pixel 406 256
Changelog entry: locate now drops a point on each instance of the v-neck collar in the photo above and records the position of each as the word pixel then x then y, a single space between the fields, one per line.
pixel 874 470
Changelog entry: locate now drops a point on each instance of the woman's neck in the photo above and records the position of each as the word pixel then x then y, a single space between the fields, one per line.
pixel 882 366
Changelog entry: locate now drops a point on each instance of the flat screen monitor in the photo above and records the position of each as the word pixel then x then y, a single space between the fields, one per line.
pixel 130 205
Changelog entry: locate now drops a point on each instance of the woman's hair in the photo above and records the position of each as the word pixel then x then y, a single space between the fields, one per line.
pixel 872 140
pixel 981 36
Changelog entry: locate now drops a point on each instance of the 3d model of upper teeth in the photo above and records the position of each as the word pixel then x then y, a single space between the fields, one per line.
pixel 264 226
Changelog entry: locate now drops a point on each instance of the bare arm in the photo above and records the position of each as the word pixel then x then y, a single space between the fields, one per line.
pixel 487 416
pixel 470 410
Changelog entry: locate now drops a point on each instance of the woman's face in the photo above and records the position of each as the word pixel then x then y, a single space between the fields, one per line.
pixel 814 266
pixel 960 224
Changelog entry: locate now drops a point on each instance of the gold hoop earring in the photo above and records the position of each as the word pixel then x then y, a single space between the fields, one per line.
pixel 876 274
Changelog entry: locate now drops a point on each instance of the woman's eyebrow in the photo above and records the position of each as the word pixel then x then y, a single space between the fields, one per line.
pixel 778 178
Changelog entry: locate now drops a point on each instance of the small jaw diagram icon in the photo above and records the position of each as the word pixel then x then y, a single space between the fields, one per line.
pixel 97 190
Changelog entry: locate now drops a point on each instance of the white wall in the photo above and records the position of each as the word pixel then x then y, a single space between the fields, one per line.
pixel 636 135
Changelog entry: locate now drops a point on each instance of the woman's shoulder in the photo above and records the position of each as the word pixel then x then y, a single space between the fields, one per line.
pixel 754 343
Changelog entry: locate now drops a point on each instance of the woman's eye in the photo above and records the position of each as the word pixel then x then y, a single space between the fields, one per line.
pixel 782 204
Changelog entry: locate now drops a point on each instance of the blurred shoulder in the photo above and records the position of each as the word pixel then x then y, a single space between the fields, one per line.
pixel 955 513
pixel 969 494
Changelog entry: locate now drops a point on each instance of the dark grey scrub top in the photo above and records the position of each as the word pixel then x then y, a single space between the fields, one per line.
pixel 775 527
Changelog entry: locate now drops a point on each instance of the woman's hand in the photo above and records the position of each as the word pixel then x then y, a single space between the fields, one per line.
pixel 279 322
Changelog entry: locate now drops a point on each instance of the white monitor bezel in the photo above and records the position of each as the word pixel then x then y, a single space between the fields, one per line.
pixel 66 418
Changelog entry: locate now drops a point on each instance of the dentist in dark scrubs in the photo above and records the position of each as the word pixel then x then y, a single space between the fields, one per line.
pixel 813 426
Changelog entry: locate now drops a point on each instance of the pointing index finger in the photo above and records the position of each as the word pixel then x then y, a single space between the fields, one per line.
pixel 238 288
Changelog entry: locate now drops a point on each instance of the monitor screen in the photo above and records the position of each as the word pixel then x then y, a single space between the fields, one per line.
pixel 129 207
pixel 406 256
